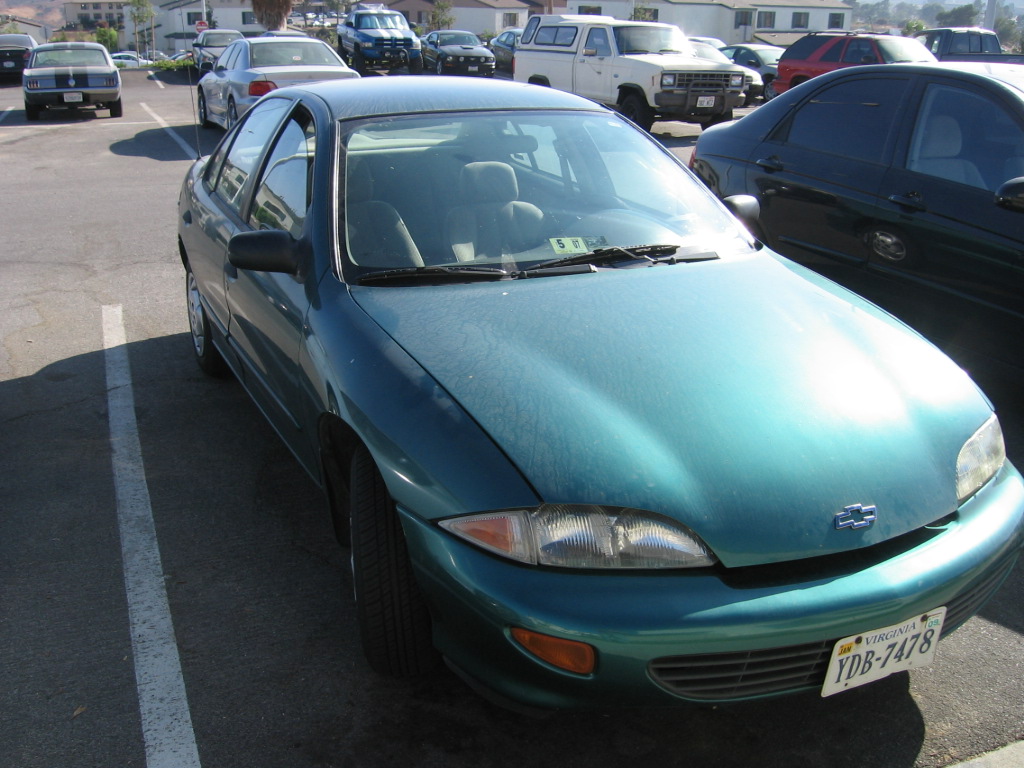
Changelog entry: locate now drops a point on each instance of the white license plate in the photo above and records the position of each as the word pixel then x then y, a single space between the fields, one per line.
pixel 472 69
pixel 9 64
pixel 705 101
pixel 870 656
pixel 72 97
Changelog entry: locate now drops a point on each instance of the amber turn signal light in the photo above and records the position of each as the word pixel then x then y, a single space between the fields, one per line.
pixel 570 655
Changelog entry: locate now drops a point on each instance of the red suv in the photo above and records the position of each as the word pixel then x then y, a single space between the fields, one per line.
pixel 821 52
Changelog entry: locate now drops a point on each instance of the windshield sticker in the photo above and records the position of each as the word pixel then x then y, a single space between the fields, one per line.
pixel 577 244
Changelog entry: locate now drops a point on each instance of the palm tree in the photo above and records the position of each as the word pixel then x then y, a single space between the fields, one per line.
pixel 271 13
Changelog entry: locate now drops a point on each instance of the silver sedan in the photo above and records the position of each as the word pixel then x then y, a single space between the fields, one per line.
pixel 250 68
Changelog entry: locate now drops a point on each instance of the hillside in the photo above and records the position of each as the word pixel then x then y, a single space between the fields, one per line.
pixel 49 12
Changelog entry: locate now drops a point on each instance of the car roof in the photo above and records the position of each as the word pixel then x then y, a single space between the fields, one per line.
pixel 16 38
pixel 378 96
pixel 1010 74
pixel 65 46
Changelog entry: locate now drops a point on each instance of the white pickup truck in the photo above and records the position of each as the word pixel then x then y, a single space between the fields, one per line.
pixel 644 69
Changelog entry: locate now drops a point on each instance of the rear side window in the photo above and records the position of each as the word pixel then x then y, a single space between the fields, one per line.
pixel 805 46
pixel 853 118
pixel 531 27
pixel 564 36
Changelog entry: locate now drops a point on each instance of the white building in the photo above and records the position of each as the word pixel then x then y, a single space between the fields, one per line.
pixel 174 26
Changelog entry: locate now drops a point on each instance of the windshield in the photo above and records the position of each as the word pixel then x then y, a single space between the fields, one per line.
pixel 770 56
pixel 904 49
pixel 458 38
pixel 382 21
pixel 220 39
pixel 710 53
pixel 643 39
pixel 507 191
pixel 69 57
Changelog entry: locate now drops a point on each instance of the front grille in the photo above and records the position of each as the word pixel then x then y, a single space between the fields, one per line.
pixel 746 674
pixel 394 42
pixel 702 82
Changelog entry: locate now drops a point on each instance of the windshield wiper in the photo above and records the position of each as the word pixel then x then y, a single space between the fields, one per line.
pixel 434 274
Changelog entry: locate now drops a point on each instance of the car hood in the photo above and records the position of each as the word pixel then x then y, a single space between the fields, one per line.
pixel 374 34
pixel 675 61
pixel 457 50
pixel 746 398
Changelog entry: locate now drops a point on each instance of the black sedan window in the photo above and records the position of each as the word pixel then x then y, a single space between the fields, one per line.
pixel 853 118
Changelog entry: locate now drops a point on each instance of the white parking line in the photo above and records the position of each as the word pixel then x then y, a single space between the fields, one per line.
pixel 152 76
pixel 5 113
pixel 192 152
pixel 163 704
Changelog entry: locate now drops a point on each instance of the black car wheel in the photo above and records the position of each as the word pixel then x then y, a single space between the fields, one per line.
pixel 358 62
pixel 207 356
pixel 116 109
pixel 232 114
pixel 204 116
pixel 769 90
pixel 32 111
pixel 394 622
pixel 440 66
pixel 637 110
pixel 416 66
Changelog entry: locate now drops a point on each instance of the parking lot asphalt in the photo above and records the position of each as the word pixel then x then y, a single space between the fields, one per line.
pixel 257 589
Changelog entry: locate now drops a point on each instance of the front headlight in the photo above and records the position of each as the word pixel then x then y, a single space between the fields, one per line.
pixel 979 459
pixel 736 80
pixel 584 536
pixel 668 81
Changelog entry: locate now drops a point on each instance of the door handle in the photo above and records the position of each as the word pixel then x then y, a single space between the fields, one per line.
pixel 910 200
pixel 770 164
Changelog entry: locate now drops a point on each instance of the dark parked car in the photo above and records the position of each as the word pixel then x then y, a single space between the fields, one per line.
pixel 504 48
pixel 764 59
pixel 820 52
pixel 210 44
pixel 14 52
pixel 71 76
pixel 453 52
pixel 585 438
pixel 911 173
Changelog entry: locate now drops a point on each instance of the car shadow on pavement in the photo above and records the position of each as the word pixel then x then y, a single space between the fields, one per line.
pixel 152 143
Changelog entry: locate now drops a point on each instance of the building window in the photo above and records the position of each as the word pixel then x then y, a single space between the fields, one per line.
pixel 744 19
pixel 801 20
pixel 96 6
pixel 509 20
pixel 591 10
pixel 836 20
pixel 192 18
pixel 766 19
pixel 248 17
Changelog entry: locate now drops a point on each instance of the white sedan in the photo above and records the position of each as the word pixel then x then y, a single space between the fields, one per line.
pixel 252 67
pixel 129 60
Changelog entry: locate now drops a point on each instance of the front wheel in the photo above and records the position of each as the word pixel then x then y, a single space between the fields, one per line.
pixel 637 110
pixel 394 622
pixel 416 66
pixel 440 66
pixel 769 90
pixel 359 63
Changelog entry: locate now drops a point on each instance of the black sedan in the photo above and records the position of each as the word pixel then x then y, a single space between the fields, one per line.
pixel 454 52
pixel 504 48
pixel 904 182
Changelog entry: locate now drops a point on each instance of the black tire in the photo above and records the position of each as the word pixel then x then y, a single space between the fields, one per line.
pixel 416 66
pixel 207 356
pixel 769 90
pixel 203 114
pixel 394 622
pixel 439 68
pixel 358 63
pixel 232 114
pixel 637 110
pixel 117 109
pixel 32 111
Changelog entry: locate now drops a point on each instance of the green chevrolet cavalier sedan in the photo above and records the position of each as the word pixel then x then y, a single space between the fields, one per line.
pixel 589 441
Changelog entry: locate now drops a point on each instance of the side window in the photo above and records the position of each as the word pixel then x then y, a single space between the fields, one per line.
pixel 966 137
pixel 250 138
pixel 228 59
pixel 860 52
pixel 556 36
pixel 531 27
pixel 598 41
pixel 283 195
pixel 853 118
pixel 833 51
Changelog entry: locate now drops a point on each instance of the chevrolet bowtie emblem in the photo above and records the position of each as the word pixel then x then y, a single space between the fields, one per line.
pixel 856 516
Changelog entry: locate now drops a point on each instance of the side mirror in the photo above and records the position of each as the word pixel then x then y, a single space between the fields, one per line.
pixel 1010 195
pixel 265 250
pixel 206 66
pixel 746 208
pixel 590 51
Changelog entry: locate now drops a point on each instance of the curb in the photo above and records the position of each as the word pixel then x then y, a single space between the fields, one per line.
pixel 1010 756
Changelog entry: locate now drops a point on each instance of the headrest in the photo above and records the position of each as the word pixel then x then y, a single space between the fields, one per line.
pixel 942 138
pixel 489 182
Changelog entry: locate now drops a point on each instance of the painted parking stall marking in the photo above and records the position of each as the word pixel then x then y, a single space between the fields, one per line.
pixel 163 704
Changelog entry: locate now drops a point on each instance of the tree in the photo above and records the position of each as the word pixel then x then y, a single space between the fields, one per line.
pixel 106 36
pixel 272 14
pixel 142 14
pixel 928 13
pixel 961 16
pixel 912 27
pixel 441 17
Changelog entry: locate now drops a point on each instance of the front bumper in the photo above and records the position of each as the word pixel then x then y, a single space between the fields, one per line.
pixel 472 67
pixel 683 104
pixel 654 632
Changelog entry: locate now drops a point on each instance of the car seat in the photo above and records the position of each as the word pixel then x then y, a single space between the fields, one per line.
pixel 496 222
pixel 377 235
pixel 938 153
